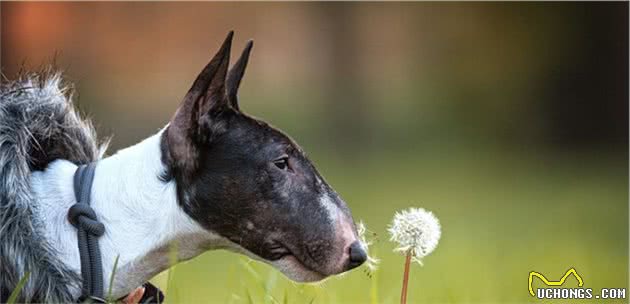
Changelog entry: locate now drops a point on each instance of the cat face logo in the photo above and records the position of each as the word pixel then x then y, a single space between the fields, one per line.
pixel 553 283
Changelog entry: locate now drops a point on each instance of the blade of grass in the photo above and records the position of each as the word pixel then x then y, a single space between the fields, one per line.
pixel 171 289
pixel 229 282
pixel 271 283
pixel 266 285
pixel 150 300
pixel 253 272
pixel 374 284
pixel 250 300
pixel 272 299
pixel 111 281
pixel 286 297
pixel 20 285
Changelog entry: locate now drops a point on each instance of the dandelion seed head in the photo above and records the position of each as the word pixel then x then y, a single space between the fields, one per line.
pixel 372 262
pixel 416 231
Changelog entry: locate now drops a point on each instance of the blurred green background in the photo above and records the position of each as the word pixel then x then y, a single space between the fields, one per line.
pixel 508 120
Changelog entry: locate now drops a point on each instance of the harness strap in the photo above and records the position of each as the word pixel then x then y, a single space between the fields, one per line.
pixel 83 217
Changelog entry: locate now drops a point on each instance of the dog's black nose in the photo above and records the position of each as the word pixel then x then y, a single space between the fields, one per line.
pixel 357 255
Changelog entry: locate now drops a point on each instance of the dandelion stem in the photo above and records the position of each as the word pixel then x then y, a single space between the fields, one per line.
pixel 403 295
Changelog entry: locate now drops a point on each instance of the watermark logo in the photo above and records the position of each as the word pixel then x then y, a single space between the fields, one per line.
pixel 553 283
pixel 553 291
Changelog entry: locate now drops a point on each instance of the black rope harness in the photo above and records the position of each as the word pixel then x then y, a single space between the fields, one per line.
pixel 89 229
pixel 83 217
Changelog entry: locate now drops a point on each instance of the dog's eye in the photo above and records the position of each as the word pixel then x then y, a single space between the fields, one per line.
pixel 282 163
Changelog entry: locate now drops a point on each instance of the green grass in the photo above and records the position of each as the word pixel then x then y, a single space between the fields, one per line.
pixel 109 297
pixel 16 292
pixel 504 213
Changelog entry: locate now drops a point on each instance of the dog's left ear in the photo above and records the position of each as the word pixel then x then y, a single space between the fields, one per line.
pixel 235 75
pixel 196 119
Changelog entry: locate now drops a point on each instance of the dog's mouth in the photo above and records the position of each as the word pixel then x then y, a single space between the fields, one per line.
pixel 284 259
pixel 277 251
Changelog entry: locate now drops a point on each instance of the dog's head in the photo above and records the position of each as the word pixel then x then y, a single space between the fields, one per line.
pixel 246 181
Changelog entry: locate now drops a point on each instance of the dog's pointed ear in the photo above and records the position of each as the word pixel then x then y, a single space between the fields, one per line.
pixel 236 75
pixel 209 88
pixel 189 125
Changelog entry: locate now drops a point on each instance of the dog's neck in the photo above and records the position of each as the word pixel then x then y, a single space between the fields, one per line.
pixel 140 212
